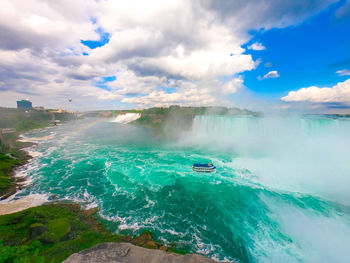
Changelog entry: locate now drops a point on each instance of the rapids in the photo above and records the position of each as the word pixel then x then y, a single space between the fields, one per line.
pixel 281 192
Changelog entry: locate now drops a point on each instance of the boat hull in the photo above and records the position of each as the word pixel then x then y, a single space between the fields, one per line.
pixel 204 169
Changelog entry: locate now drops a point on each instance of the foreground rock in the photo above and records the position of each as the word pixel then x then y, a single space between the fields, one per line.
pixel 125 252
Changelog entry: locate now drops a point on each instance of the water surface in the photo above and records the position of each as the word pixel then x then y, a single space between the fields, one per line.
pixel 281 192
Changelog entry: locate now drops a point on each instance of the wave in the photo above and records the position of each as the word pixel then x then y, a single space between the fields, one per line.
pixel 32 153
pixel 24 138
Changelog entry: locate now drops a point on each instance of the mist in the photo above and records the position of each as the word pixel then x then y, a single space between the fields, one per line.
pixel 305 154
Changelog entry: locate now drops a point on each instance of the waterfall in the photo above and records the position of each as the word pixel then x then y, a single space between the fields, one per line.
pixel 126 118
pixel 300 154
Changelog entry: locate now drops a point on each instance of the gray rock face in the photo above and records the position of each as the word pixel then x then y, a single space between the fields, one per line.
pixel 125 252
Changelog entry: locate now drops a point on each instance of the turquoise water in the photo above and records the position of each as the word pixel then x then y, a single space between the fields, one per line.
pixel 281 192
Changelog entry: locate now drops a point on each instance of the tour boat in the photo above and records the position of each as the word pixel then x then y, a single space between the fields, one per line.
pixel 207 168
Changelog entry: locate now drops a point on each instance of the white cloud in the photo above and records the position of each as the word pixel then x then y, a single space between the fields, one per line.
pixel 128 83
pixel 186 47
pixel 207 92
pixel 256 46
pixel 267 14
pixel 271 74
pixel 344 72
pixel 339 93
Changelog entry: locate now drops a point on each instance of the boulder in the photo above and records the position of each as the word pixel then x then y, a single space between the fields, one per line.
pixel 128 253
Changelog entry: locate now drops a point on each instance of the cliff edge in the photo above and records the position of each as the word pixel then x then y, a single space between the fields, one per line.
pixel 125 252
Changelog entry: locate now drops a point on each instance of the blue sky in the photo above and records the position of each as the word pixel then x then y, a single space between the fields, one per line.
pixel 136 54
pixel 304 55
pixel 103 40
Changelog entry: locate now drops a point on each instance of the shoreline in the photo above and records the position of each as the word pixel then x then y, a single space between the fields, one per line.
pixel 16 181
pixel 23 158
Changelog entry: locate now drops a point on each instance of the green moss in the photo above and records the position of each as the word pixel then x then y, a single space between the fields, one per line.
pixel 6 166
pixel 56 230
pixel 178 251
pixel 49 233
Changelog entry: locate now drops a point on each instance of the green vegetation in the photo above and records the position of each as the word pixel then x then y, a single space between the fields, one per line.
pixel 178 110
pixel 8 162
pixel 23 121
pixel 6 166
pixel 51 233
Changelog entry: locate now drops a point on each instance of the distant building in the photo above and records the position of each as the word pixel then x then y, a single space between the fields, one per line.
pixel 24 104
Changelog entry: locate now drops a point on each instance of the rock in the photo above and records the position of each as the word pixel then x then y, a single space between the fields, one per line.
pixel 54 197
pixel 142 239
pixel 151 244
pixel 91 211
pixel 128 253
pixel 164 248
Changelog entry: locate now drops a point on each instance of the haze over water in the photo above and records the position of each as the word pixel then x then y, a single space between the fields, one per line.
pixel 280 193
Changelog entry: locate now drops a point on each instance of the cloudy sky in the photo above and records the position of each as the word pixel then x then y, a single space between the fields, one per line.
pixel 106 54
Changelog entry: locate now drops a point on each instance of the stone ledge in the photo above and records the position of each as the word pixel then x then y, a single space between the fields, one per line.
pixel 128 253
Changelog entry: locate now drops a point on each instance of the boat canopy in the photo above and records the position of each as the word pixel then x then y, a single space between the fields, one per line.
pixel 206 165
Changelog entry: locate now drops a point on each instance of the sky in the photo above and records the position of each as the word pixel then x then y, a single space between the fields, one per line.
pixel 111 54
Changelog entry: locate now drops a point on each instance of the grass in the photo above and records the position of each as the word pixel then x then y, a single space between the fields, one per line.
pixel 49 233
pixel 7 165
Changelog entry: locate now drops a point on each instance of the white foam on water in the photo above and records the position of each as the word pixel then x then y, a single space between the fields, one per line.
pixel 23 138
pixel 150 203
pixel 34 154
pixel 86 202
pixel 124 223
pixel 174 233
pixel 24 171
pixel 31 152
pixel 200 246
pixel 319 238
pixel 26 182
pixel 126 118
pixel 91 205
pixel 134 226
